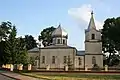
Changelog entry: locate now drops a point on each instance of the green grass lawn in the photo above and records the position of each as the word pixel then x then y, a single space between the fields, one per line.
pixel 72 76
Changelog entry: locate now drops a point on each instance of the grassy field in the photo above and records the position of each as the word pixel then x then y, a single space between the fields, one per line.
pixel 73 76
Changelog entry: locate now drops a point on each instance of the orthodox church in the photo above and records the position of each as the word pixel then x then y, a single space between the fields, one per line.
pixel 59 54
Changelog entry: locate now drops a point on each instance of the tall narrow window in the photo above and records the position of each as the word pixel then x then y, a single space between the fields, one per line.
pixel 43 59
pixel 65 59
pixel 36 62
pixel 53 59
pixel 53 40
pixel 69 60
pixel 63 41
pixel 93 36
pixel 58 41
pixel 79 59
pixel 93 60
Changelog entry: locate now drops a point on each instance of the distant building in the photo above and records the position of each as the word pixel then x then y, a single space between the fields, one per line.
pixel 59 54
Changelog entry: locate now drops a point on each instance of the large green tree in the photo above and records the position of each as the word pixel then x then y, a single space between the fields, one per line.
pixel 2 52
pixel 22 55
pixel 30 42
pixel 10 47
pixel 14 49
pixel 45 36
pixel 5 29
pixel 110 37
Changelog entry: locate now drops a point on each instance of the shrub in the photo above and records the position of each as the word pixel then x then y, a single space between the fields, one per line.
pixel 96 67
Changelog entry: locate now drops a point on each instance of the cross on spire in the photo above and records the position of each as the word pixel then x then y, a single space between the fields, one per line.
pixel 59 24
pixel 92 12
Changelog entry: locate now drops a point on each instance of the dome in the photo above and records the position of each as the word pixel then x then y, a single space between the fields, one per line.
pixel 59 32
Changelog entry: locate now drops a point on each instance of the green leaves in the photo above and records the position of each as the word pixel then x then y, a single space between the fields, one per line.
pixel 45 36
pixel 11 49
pixel 111 36
pixel 5 29
pixel 30 42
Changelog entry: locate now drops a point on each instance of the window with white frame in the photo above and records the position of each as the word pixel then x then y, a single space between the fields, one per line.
pixel 58 41
pixel 53 59
pixel 63 41
pixel 43 59
pixel 65 59
pixel 79 59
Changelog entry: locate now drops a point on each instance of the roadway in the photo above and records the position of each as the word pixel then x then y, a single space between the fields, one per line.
pixel 2 77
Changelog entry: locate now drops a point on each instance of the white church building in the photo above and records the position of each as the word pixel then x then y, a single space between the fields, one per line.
pixel 59 54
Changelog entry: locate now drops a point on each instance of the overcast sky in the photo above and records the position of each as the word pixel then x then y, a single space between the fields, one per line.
pixel 32 16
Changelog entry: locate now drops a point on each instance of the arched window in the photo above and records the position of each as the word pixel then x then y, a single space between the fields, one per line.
pixel 65 59
pixel 69 60
pixel 58 41
pixel 63 41
pixel 93 60
pixel 43 59
pixel 79 59
pixel 93 36
pixel 53 59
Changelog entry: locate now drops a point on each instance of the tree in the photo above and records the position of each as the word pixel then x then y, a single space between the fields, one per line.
pixel 30 42
pixel 110 37
pixel 5 29
pixel 10 47
pixel 22 55
pixel 15 50
pixel 45 36
pixel 2 59
pixel 12 50
pixel 115 60
pixel 32 60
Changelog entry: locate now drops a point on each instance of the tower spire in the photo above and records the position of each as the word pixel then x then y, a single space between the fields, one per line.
pixel 91 23
pixel 59 24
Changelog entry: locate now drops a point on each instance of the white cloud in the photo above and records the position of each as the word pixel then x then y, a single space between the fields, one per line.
pixel 82 16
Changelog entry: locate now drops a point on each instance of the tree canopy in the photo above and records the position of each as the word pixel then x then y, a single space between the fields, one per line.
pixel 5 29
pixel 45 36
pixel 13 50
pixel 111 37
pixel 30 42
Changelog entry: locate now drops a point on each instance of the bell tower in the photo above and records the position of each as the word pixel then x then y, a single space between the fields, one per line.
pixel 93 45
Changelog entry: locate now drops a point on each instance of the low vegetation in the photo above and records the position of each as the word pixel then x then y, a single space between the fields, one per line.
pixel 72 76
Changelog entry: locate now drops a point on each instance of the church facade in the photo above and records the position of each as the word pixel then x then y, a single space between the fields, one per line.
pixel 59 54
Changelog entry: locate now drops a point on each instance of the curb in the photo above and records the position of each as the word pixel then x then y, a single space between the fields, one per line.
pixel 10 76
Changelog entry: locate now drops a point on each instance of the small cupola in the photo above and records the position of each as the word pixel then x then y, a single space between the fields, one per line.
pixel 59 36
pixel 59 32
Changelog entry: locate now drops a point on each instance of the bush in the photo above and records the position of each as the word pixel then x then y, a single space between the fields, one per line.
pixel 96 67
